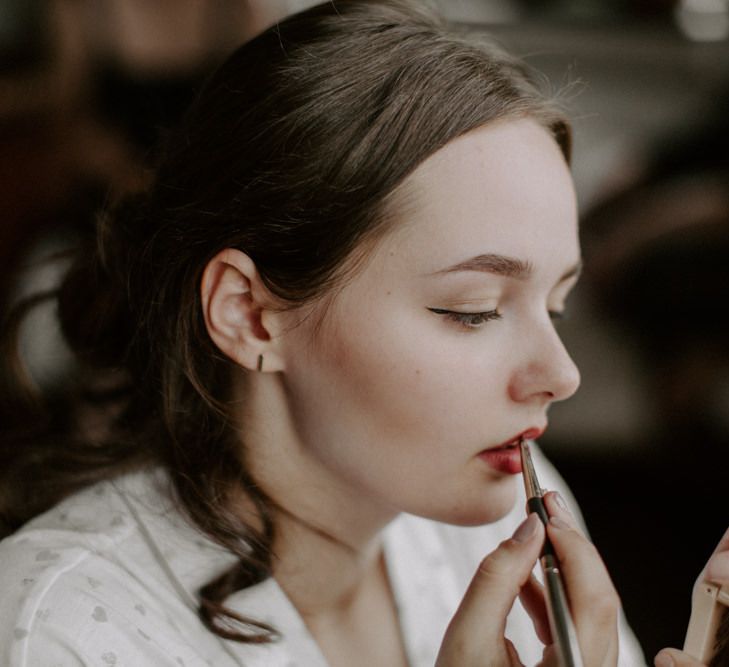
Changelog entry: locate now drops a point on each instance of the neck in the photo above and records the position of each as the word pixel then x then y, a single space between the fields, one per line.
pixel 328 544
pixel 321 574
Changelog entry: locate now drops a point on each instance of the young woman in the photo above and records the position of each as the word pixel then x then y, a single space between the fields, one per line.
pixel 319 334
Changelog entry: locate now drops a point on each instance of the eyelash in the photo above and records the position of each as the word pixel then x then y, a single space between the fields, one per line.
pixel 469 320
pixel 475 320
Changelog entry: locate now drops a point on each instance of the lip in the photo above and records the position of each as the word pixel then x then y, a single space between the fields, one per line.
pixel 531 433
pixel 506 457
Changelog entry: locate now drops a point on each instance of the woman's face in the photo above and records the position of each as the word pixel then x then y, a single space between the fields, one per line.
pixel 419 367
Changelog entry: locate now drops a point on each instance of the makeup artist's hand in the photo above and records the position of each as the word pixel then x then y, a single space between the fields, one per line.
pixel 716 571
pixel 475 635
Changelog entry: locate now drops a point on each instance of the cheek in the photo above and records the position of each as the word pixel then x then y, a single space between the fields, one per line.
pixel 398 410
pixel 413 379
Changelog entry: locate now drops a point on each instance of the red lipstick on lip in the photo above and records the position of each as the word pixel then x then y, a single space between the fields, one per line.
pixel 506 458
pixel 532 433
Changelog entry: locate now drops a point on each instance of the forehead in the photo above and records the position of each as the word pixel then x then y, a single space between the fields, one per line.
pixel 504 188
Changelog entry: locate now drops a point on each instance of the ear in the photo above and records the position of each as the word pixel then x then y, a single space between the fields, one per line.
pixel 238 311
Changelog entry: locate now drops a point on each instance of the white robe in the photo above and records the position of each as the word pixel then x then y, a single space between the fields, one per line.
pixel 109 578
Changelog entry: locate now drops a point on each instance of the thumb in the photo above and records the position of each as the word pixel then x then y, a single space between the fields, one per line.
pixel 477 629
pixel 672 657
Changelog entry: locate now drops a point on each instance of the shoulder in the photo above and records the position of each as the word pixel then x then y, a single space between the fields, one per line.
pixel 81 585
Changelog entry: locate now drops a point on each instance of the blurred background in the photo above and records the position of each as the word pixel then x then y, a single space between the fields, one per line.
pixel 88 86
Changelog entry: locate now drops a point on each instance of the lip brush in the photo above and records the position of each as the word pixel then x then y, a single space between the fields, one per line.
pixel 561 624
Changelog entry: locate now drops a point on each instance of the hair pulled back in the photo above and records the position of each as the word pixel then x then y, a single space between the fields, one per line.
pixel 290 153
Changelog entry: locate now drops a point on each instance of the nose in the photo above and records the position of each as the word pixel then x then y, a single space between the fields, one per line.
pixel 546 372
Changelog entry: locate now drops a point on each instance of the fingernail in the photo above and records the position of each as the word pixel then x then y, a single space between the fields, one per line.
pixel 560 501
pixel 558 523
pixel 664 660
pixel 526 529
pixel 717 569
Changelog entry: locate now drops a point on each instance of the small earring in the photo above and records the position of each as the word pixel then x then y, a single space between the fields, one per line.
pixel 260 363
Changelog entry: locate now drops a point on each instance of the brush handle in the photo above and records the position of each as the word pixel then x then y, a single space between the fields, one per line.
pixel 536 504
pixel 561 625
pixel 564 634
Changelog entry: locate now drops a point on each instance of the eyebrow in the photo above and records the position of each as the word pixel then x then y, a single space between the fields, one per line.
pixel 502 266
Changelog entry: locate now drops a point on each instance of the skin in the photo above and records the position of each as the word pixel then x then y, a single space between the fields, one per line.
pixel 416 396
pixel 385 407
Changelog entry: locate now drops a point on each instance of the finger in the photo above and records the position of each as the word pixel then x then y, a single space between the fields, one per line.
pixel 717 569
pixel 500 577
pixel 477 628
pixel 556 506
pixel 594 603
pixel 533 600
pixel 550 657
pixel 672 657
pixel 512 653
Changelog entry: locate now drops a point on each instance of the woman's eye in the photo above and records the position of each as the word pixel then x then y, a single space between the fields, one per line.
pixel 470 320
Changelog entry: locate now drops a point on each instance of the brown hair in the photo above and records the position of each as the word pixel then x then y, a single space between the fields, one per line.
pixel 289 153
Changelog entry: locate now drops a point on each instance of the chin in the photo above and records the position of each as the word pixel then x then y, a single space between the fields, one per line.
pixel 491 506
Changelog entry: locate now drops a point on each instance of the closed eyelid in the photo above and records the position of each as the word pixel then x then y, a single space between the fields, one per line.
pixel 476 303
pixel 470 320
